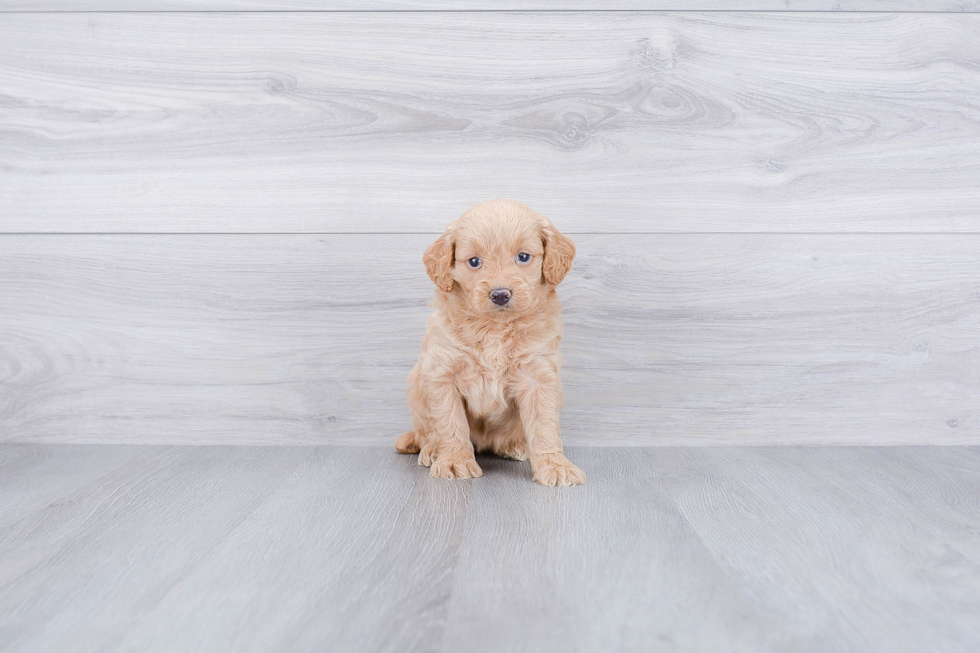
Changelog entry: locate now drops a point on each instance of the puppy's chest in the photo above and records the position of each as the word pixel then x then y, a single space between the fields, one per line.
pixel 483 381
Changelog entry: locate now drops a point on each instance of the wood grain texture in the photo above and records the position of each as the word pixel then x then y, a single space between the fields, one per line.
pixel 736 549
pixel 334 548
pixel 669 338
pixel 397 122
pixel 33 478
pixel 186 549
pixel 483 6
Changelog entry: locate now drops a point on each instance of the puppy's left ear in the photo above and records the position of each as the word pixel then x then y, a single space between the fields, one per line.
pixel 439 258
pixel 558 254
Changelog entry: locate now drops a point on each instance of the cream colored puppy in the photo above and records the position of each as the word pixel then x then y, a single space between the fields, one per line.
pixel 487 377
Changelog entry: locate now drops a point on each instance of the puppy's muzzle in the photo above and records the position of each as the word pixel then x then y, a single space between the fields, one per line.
pixel 500 296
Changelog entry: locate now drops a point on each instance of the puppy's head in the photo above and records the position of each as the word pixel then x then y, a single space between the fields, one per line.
pixel 500 257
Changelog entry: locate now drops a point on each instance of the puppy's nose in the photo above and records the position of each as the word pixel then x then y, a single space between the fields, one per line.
pixel 500 296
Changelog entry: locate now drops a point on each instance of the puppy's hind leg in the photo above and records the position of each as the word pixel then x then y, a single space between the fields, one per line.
pixel 506 438
pixel 406 443
pixel 410 442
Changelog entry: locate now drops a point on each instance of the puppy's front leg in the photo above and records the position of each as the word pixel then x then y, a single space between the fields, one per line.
pixel 539 403
pixel 454 450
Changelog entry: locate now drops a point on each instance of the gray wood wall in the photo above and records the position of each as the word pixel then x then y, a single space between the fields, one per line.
pixel 212 217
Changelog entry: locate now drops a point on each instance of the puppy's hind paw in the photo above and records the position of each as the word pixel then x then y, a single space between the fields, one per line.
pixel 455 467
pixel 406 443
pixel 513 452
pixel 427 455
pixel 556 469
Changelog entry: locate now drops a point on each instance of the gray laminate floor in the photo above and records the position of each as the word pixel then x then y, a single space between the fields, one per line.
pixel 184 548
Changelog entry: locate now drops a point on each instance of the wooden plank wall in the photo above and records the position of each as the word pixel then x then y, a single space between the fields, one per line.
pixel 396 122
pixel 211 221
pixel 483 6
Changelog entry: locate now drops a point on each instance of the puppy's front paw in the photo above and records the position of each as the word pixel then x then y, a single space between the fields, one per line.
pixel 458 466
pixel 556 469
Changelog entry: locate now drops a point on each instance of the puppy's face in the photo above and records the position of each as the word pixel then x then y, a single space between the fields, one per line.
pixel 501 258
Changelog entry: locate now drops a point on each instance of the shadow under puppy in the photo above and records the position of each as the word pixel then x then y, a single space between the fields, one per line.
pixel 487 377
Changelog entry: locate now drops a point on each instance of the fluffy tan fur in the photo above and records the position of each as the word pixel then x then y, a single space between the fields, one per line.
pixel 487 378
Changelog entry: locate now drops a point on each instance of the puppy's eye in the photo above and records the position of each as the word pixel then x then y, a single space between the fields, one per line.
pixel 523 257
pixel 474 262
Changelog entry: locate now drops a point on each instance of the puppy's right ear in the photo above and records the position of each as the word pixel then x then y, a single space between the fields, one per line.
pixel 559 251
pixel 439 259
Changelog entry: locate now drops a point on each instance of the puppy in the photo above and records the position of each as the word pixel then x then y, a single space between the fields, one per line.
pixel 487 378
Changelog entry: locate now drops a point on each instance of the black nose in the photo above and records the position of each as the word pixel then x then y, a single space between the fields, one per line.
pixel 500 296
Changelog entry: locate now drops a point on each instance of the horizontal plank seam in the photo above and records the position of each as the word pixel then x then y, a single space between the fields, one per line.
pixel 436 233
pixel 575 447
pixel 479 11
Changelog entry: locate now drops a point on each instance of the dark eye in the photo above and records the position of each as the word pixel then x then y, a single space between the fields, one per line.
pixel 474 262
pixel 523 257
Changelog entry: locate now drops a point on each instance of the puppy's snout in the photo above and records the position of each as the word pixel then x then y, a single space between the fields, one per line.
pixel 500 296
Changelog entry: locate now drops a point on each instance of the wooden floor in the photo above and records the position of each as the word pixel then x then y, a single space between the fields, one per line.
pixel 183 548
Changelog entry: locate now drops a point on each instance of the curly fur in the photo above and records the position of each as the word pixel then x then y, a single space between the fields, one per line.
pixel 488 376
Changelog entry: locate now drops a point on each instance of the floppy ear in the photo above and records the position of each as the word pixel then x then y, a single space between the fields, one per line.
pixel 558 254
pixel 439 258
